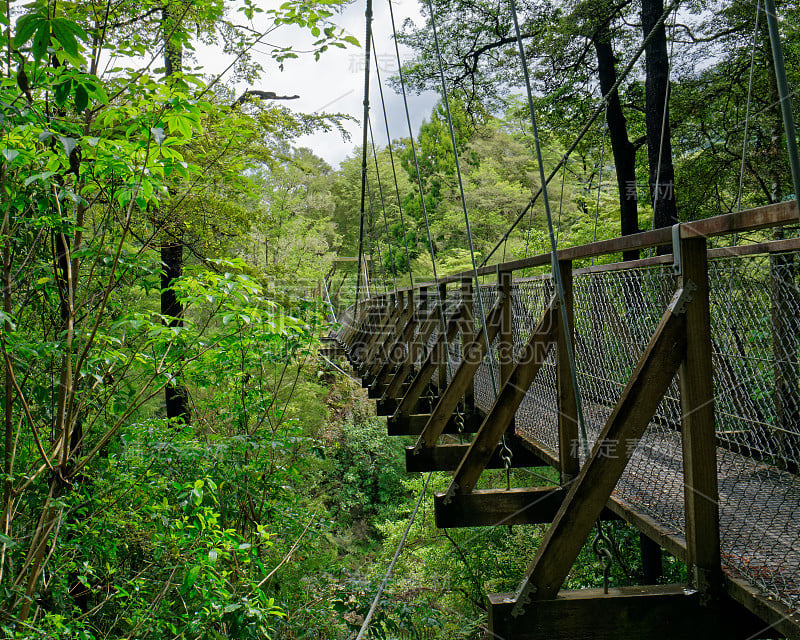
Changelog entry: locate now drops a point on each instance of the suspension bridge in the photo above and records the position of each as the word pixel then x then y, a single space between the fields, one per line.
pixel 664 391
pixel 688 366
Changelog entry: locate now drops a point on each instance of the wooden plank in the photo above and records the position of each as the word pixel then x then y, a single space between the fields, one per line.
pixel 494 508
pixel 507 402
pixel 446 457
pixel 414 424
pixel 749 220
pixel 387 321
pixel 462 378
pixel 771 215
pixel 565 392
pixel 666 538
pixel 387 339
pixel 739 250
pixel 775 614
pixel 654 612
pixel 428 367
pixel 592 488
pixel 388 354
pixel 698 435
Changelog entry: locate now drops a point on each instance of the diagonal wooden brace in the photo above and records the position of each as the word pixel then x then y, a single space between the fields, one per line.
pixel 596 481
pixel 507 402
pixel 428 325
pixel 393 341
pixel 398 350
pixel 434 358
pixel 474 354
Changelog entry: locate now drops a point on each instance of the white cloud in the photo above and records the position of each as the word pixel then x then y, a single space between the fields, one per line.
pixel 335 83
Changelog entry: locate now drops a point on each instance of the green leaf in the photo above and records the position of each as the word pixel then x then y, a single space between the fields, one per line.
pixel 41 40
pixel 26 25
pixel 65 35
pixel 68 143
pixel 190 579
pixel 81 98
pixel 352 40
pixel 61 91
pixel 10 154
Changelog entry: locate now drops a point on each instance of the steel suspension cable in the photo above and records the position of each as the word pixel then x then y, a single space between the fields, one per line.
pixel 598 110
pixel 461 190
pixel 391 157
pixel 368 16
pixel 383 203
pixel 599 182
pixel 747 113
pixel 365 625
pixel 375 238
pixel 419 183
pixel 553 246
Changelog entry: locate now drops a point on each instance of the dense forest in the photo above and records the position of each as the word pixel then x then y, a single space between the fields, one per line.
pixel 178 460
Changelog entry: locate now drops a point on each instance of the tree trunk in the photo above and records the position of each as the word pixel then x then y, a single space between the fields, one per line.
pixel 176 396
pixel 623 150
pixel 659 147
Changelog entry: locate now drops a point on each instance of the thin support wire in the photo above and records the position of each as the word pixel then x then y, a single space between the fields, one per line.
pixel 383 203
pixel 461 190
pixel 419 183
pixel 747 115
pixel 391 157
pixel 664 119
pixel 368 16
pixel 553 246
pixel 586 127
pixel 599 182
pixel 365 625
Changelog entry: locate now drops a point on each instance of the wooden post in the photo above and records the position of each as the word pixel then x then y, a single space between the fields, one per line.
pixel 567 408
pixel 505 342
pixel 441 381
pixel 786 400
pixel 505 345
pixel 652 564
pixel 697 425
pixel 467 336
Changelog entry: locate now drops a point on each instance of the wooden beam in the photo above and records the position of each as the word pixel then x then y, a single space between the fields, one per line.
pixel 428 367
pixel 414 424
pixel 655 612
pixel 397 353
pixel 698 436
pixel 497 507
pixel 462 378
pixel 507 402
pixel 446 457
pixel 592 488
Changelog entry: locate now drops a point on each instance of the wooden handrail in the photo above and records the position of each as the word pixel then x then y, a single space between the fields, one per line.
pixel 773 215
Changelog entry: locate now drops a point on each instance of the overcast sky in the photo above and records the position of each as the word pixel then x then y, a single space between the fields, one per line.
pixel 335 83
